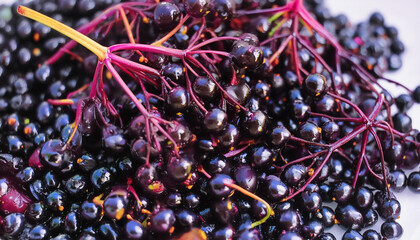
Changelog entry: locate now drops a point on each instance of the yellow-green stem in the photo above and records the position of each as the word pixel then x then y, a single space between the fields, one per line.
pixel 87 42
pixel 229 183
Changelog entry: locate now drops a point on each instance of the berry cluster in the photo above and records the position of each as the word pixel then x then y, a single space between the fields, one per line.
pixel 200 119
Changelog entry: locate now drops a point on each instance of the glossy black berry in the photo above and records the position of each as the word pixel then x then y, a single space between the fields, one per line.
pixel 101 178
pixel 218 187
pixel 413 182
pixel 245 55
pixel 315 84
pixel 186 218
pixel 246 177
pixel 262 156
pixel 205 87
pixel 397 180
pixel 223 9
pixel 290 236
pixel 178 99
pixel 352 235
pixel 371 235
pixel 89 211
pixel 162 221
pixel 330 131
pixel 279 136
pixel 13 224
pixel 391 230
pixel 39 232
pixel 108 230
pixel 71 222
pixel 327 236
pixel 54 154
pixel 402 122
pixel 309 131
pixel 342 192
pixel 255 124
pixel 288 220
pixel 134 230
pixel 57 201
pixel 166 15
pixel 363 198
pixel 403 102
pixel 196 8
pixel 370 218
pixel 416 94
pixel 311 201
pixel 114 206
pixel 275 189
pixel 192 200
pixel 389 209
pixel 215 120
pixel 224 233
pixel 326 216
pixel 76 185
pixel 349 217
pixel 312 229
pixel 229 137
pixel 36 212
pixel 294 174
pixel 300 110
pixel 179 168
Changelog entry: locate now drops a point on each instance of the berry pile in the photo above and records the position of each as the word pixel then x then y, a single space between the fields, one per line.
pixel 200 119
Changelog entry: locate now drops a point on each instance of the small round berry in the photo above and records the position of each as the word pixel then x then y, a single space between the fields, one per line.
pixel 246 178
pixel 218 187
pixel 326 216
pixel 134 230
pixel 89 211
pixel 178 99
pixel 13 224
pixel 352 235
pixel 414 182
pixel 363 198
pixel 255 123
pixel 349 217
pixel 294 174
pixel 290 236
pixel 162 221
pixel 309 131
pixel 39 232
pixel 330 131
pixel 402 122
pixel 279 136
pixel 315 84
pixel 371 235
pixel 403 102
pixel 205 87
pixel 326 236
pixel 244 55
pixel 288 220
pixel 312 229
pixel 376 19
pixel 389 209
pixel 397 180
pixel 391 230
pixel 274 188
pixel 215 120
pixel 166 15
pixel 196 8
pixel 416 94
pixel 222 9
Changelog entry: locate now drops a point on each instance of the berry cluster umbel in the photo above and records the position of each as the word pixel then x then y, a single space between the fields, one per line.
pixel 261 99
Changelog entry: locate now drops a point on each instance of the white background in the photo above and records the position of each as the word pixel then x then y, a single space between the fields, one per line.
pixel 403 14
